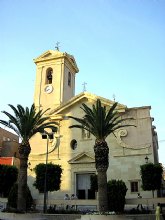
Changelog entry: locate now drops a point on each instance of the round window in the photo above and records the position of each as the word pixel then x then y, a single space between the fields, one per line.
pixel 73 144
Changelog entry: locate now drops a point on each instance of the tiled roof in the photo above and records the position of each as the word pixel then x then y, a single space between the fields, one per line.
pixel 6 160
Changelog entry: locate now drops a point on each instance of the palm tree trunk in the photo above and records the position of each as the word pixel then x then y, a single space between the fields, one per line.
pixel 102 162
pixel 22 184
pixel 24 150
pixel 102 191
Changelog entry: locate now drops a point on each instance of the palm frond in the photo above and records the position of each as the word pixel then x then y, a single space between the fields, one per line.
pixel 27 122
pixel 98 121
pixel 9 125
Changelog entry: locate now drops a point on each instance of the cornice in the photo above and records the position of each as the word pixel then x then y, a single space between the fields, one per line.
pixel 52 55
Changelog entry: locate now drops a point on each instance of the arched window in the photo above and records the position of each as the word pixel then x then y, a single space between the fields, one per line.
pixel 85 134
pixel 69 79
pixel 49 76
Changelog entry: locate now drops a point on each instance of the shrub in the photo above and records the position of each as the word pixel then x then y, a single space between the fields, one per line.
pixel 151 175
pixel 12 198
pixel 53 177
pixel 53 210
pixel 8 176
pixel 137 211
pixel 116 195
pixel 94 182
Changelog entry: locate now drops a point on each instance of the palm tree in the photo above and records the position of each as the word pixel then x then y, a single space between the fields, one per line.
pixel 100 122
pixel 25 123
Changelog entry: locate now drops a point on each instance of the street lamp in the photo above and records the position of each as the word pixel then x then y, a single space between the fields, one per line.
pixel 48 136
pixel 146 159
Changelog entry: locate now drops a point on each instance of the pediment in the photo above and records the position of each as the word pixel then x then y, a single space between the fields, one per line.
pixel 50 54
pixel 82 158
pixel 46 55
pixel 89 97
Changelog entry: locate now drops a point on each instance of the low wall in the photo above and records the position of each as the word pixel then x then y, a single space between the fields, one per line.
pixel 36 216
pixel 145 201
pixel 93 203
pixel 148 203
pixel 77 203
pixel 119 217
pixel 13 216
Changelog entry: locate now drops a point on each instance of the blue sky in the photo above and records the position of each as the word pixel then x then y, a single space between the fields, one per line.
pixel 119 46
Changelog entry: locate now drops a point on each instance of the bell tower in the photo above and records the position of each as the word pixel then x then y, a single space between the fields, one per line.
pixel 55 79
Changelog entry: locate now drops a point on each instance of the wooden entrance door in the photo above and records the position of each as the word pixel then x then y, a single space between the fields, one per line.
pixel 83 186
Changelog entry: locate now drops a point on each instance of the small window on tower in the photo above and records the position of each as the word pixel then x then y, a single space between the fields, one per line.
pixel 49 76
pixel 134 186
pixel 85 134
pixel 69 79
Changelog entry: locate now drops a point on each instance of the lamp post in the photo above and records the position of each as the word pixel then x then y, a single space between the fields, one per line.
pixel 48 136
pixel 146 159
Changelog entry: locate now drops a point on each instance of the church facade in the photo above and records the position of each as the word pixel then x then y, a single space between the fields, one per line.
pixel 73 148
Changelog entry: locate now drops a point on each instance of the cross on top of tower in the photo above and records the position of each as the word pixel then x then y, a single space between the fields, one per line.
pixel 114 97
pixel 84 86
pixel 57 45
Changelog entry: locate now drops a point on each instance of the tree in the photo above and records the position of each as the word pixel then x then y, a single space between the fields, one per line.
pixel 100 122
pixel 25 123
pixel 94 182
pixel 53 177
pixel 12 198
pixel 8 176
pixel 151 175
pixel 116 195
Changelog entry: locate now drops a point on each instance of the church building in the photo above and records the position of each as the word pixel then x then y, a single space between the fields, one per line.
pixel 73 148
